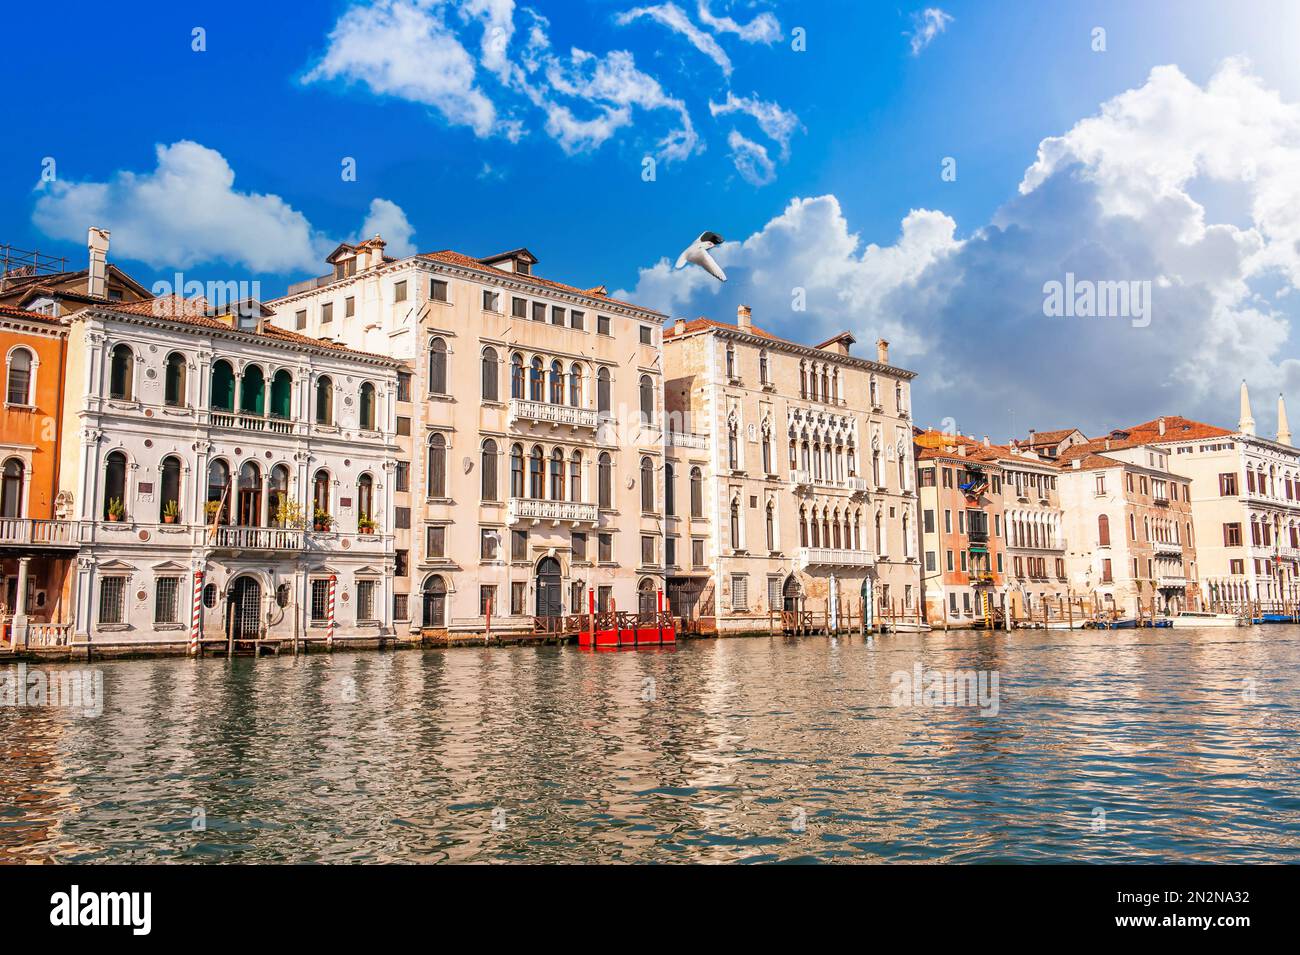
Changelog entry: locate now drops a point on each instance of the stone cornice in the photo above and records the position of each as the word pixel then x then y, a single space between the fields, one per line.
pixel 794 348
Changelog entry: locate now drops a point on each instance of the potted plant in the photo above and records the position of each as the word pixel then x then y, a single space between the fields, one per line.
pixel 115 509
pixel 321 519
pixel 289 514
pixel 171 510
pixel 366 524
pixel 212 509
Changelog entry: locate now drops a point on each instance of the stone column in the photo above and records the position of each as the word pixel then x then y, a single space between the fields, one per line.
pixel 20 607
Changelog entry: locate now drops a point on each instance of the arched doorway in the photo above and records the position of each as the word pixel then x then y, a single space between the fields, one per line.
pixel 645 597
pixel 549 601
pixel 791 593
pixel 435 603
pixel 245 609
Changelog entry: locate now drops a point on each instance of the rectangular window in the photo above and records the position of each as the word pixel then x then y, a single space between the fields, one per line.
pixel 435 542
pixel 402 518
pixel 647 550
pixel 164 600
pixel 576 319
pixel 111 593
pixel 647 335
pixel 487 544
pixel 438 290
pixel 1101 484
pixel 1232 535
pixel 930 561
pixel 603 595
pixel 400 611
pixel 739 592
pixel 926 477
pixel 947 522
pixel 366 600
pixel 602 324
pixel 403 386
pixel 349 306
pixel 947 477
pixel 402 476
pixel 949 560
pixel 519 307
pixel 300 319
pixel 403 425
pixel 491 301
pixel 605 545
pixel 557 316
pixel 320 600
pixel 1106 575
pixel 1237 567
pixel 518 595
pixel 578 545
pixel 963 562
pixel 518 545
pixel 539 311
pixel 670 551
pixel 399 291
pixel 1228 485
pixel 697 552
pixel 401 562
pixel 774 601
pixel 327 313
pixel 487 599
pixel 952 601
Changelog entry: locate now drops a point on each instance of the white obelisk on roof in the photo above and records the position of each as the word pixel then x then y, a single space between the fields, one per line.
pixel 1246 424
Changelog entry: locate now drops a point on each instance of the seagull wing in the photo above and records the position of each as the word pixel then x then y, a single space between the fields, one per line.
pixel 706 262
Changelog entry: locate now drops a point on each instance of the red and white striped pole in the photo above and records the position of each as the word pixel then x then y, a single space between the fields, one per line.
pixel 195 612
pixel 329 631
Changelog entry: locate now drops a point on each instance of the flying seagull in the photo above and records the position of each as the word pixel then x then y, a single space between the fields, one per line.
pixel 697 253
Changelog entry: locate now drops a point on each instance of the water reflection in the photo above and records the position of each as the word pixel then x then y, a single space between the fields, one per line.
pixel 1128 745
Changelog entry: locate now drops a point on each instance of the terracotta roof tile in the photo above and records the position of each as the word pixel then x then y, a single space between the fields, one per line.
pixel 13 311
pixel 699 324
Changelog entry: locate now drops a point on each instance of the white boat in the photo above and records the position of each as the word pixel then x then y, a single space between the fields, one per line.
pixel 908 627
pixel 1203 618
pixel 1077 624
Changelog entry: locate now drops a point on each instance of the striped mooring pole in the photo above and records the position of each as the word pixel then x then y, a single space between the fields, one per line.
pixel 195 612
pixel 329 631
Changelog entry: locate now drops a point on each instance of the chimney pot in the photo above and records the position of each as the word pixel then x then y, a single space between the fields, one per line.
pixel 743 318
pixel 882 351
pixel 97 274
pixel 679 327
pixel 1162 424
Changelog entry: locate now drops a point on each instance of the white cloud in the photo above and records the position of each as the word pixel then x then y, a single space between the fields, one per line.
pixel 764 28
pixel 388 220
pixel 187 211
pixel 1112 199
pixel 401 49
pixel 779 124
pixel 751 160
pixel 927 25
pixel 676 19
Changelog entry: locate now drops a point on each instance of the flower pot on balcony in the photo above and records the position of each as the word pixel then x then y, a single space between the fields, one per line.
pixel 169 518
pixel 114 517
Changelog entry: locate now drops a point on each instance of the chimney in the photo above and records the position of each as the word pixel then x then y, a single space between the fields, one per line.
pixel 742 319
pixel 986 440
pixel 961 450
pixel 97 276
pixel 1161 424
pixel 882 351
pixel 1076 463
pixel 679 327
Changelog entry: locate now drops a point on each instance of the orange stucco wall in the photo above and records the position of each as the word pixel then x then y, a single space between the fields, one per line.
pixel 32 433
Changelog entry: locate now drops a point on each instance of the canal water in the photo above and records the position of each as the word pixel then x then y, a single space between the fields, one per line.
pixel 1127 746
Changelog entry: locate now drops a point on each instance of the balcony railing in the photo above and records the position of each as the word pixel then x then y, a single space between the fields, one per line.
pixel 684 439
pixel 20 530
pixel 858 485
pixel 259 538
pixel 521 409
pixel 1171 581
pixel 1168 547
pixel 834 557
pixel 981 578
pixel 558 512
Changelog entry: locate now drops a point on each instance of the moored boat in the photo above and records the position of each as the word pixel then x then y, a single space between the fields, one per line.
pixel 1203 618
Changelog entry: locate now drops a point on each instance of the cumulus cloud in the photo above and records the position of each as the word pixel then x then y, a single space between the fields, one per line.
pixel 764 28
pixel 927 25
pixel 777 123
pixel 1113 199
pixel 676 19
pixel 388 220
pixel 187 212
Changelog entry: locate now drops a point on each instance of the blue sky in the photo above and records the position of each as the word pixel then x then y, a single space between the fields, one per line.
pixel 489 125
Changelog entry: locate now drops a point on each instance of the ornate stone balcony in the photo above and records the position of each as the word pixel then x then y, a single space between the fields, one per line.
pixel 807 557
pixel 19 531
pixel 1171 581
pixel 258 538
pixel 1167 548
pixel 524 411
pixel 683 439
pixel 525 509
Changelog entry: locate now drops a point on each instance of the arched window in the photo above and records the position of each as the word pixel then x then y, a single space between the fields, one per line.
pixel 874 392
pixel 324 400
pixel 282 395
pixel 880 538
pixel 1103 530
pixel 516 471
pixel 218 506
pixel 115 484
pixel 602 392
pixel 557 383
pixel 670 490
pixel 647 485
pixel 803 380
pixel 605 469
pixel 557 475
pixel 516 375
pixel 762 366
pixel 19 390
pixel 731 361
pixel 277 495
pixel 249 512
pixel 169 498
pixel 437 479
pixel 488 470
pixel 575 385
pixel 536 474
pixel 252 399
pixel 121 374
pixel 898 397
pixel 320 496
pixel 767 451
pixel 223 386
pixel 536 391
pixel 11 489
pixel 174 381
pixel 366 413
pixel 697 493
pixel 647 400
pixel 771 527
pixel 365 501
pixel 437 367
pixel 803 526
pixel 489 392
pixel 575 477
pixel 733 446
pixel 735 524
